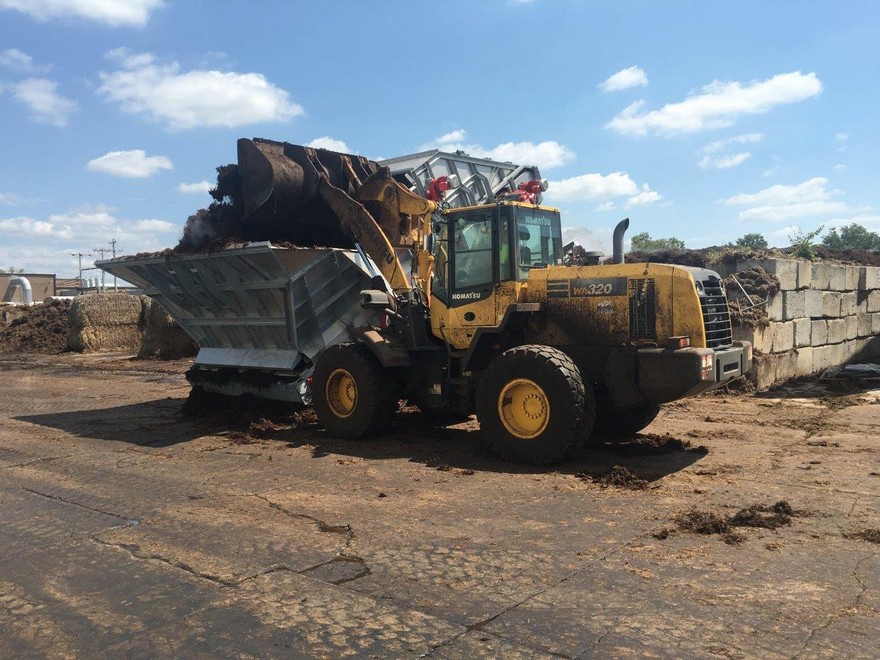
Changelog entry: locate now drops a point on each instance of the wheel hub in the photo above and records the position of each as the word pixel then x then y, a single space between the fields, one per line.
pixel 341 392
pixel 523 408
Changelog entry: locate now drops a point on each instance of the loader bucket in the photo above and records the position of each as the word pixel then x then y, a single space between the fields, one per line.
pixel 310 197
pixel 280 181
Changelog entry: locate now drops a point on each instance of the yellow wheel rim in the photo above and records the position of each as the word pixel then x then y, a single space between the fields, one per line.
pixel 342 394
pixel 524 408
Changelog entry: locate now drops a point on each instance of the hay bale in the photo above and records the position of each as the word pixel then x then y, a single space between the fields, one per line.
pixel 105 322
pixel 163 338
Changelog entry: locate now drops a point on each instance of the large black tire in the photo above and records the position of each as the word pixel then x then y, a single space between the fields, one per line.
pixel 614 424
pixel 352 394
pixel 533 406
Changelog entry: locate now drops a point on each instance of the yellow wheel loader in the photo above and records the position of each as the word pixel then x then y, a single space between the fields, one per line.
pixel 449 286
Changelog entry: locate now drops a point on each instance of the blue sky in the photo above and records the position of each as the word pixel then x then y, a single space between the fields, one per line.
pixel 701 120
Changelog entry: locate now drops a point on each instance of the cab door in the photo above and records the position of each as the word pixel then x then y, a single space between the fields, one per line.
pixel 473 237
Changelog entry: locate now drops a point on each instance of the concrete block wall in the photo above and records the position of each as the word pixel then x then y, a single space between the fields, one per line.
pixel 824 314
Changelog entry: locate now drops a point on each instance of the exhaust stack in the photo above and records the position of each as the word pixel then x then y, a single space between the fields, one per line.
pixel 619 231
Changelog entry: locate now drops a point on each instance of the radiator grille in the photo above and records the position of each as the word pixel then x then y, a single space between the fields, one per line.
pixel 642 309
pixel 716 315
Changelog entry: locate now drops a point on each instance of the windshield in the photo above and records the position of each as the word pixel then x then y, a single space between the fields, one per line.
pixel 539 234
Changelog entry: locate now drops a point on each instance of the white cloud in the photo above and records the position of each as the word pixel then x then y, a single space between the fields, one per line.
pixel 193 99
pixel 592 187
pixel 605 206
pixel 59 226
pixel 646 196
pixel 134 13
pixel 133 164
pixel 770 172
pixel 201 187
pixel 41 97
pixel 871 221
pixel 330 143
pixel 724 162
pixel 840 167
pixel 630 77
pixel 20 62
pixel 842 137
pixel 546 155
pixel 789 211
pixel 129 60
pixel 44 244
pixel 155 225
pixel 783 202
pixel 815 189
pixel 719 105
pixel 721 145
pixel 9 199
pixel 598 239
pixel 458 135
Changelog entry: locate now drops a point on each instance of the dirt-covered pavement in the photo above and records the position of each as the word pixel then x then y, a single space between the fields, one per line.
pixel 737 527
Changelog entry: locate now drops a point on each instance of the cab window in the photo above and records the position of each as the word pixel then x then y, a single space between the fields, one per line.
pixel 473 250
pixel 539 239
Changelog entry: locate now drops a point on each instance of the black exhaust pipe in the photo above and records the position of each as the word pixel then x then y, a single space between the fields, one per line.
pixel 619 231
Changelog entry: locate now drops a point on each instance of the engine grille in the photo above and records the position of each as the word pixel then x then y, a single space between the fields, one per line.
pixel 642 309
pixel 716 314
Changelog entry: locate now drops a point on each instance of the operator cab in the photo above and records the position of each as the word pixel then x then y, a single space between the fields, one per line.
pixel 478 247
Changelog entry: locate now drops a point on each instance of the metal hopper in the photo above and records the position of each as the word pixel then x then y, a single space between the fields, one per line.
pixel 260 314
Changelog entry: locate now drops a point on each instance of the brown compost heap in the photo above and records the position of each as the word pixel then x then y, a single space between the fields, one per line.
pixel 36 329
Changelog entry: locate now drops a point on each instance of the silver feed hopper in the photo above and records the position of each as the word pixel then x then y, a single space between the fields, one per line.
pixel 260 314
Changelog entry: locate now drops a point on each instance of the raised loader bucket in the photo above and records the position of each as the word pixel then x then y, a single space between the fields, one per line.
pixel 315 197
pixel 281 182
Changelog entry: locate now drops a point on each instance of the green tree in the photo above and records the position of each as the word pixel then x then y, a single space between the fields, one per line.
pixel 645 243
pixel 852 237
pixel 754 241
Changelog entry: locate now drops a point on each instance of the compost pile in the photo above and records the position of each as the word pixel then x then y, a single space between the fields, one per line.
pixel 759 285
pixel 41 329
pixel 711 257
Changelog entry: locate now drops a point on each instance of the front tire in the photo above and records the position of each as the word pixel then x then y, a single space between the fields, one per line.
pixel 532 405
pixel 352 394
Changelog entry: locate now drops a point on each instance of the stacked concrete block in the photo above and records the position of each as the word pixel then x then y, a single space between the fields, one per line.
pixel 869 278
pixel 824 315
pixel 786 270
pixel 802 332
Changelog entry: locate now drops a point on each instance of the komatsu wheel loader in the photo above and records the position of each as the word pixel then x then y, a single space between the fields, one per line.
pixel 445 282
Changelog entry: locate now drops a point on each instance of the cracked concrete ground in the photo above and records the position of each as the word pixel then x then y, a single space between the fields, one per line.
pixel 128 529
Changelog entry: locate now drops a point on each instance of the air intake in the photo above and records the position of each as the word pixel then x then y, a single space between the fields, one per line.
pixel 642 309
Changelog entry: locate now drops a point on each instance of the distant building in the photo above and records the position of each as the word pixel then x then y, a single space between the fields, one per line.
pixel 68 286
pixel 42 285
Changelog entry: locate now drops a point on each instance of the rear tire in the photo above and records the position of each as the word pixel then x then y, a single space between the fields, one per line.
pixel 532 405
pixel 352 394
pixel 623 424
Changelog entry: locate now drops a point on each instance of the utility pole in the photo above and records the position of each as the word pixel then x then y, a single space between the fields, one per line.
pixel 80 255
pixel 102 251
pixel 113 252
